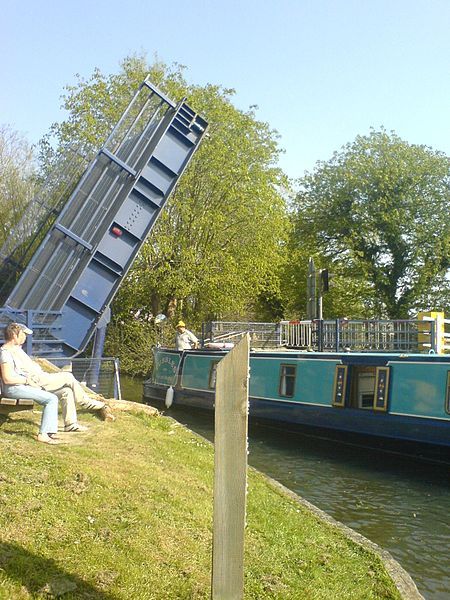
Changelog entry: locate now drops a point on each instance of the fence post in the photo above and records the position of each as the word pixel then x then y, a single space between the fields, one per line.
pixel 230 473
pixel 434 336
pixel 117 388
pixel 29 323
pixel 320 335
pixel 338 341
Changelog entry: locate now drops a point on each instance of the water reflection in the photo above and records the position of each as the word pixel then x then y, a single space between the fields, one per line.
pixel 399 503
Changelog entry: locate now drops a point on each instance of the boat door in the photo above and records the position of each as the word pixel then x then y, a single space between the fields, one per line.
pixel 363 387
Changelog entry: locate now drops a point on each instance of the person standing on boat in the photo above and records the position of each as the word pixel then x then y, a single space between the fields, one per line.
pixel 185 339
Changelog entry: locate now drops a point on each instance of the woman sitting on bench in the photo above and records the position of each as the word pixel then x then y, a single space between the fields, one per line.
pixel 18 385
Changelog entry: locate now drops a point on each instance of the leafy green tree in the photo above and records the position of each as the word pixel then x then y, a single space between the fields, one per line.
pixel 219 244
pixel 17 183
pixel 378 216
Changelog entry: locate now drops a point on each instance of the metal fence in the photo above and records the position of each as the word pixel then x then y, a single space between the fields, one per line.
pixel 262 335
pixel 338 335
pixel 446 336
pixel 101 375
pixel 361 335
pixel 379 336
pixel 297 334
pixel 46 326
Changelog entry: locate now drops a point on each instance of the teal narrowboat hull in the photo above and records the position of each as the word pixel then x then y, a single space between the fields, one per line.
pixel 392 396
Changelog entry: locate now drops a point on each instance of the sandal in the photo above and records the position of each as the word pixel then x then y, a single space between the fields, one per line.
pixel 75 427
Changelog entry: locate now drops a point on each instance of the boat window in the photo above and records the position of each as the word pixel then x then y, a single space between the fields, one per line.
pixel 212 375
pixel 381 389
pixel 447 399
pixel 340 385
pixel 287 380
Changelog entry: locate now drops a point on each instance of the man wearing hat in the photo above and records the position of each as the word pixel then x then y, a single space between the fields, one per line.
pixel 16 383
pixel 64 385
pixel 185 339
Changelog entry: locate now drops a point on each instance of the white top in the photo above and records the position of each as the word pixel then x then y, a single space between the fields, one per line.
pixel 6 356
pixel 185 340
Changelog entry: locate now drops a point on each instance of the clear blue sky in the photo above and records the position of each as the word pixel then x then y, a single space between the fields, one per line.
pixel 321 71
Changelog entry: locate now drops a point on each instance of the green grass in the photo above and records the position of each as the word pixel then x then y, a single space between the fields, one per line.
pixel 125 511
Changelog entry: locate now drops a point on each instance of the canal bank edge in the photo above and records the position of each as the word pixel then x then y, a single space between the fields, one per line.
pixel 401 578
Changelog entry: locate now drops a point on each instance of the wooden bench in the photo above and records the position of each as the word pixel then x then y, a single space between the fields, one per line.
pixel 9 405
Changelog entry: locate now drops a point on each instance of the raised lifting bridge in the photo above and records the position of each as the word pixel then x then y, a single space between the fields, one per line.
pixel 65 287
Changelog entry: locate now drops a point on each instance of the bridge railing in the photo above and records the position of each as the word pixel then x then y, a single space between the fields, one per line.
pixel 337 335
pixel 446 336
pixel 40 213
pixel 378 335
pixel 297 334
pixel 82 260
pixel 46 339
pixel 375 335
pixel 262 335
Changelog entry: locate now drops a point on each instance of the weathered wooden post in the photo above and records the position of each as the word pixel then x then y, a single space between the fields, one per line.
pixel 230 473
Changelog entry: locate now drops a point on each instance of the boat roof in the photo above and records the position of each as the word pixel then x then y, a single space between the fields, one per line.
pixel 346 357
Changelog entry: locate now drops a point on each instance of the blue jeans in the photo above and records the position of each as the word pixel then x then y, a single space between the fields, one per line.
pixel 49 401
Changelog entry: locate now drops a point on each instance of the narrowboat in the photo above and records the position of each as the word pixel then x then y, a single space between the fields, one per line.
pixel 403 397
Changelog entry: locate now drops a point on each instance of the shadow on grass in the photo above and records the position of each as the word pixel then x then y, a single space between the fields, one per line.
pixel 12 418
pixel 43 576
pixel 17 433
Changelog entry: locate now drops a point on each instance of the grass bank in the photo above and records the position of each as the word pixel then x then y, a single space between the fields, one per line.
pixel 124 511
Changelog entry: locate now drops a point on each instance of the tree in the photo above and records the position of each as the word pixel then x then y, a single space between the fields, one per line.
pixel 17 184
pixel 378 214
pixel 218 244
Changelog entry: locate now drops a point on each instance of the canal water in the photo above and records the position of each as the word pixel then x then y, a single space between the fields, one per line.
pixel 400 503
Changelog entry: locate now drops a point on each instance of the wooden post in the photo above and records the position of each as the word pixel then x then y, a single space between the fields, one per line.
pixel 230 473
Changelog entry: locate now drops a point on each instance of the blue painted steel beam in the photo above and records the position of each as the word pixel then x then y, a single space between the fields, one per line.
pixel 82 261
